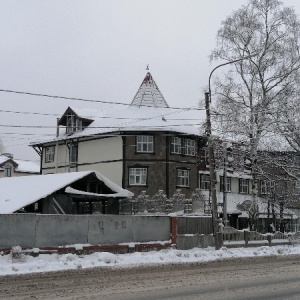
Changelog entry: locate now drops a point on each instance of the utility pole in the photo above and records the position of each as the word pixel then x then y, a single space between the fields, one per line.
pixel 225 219
pixel 212 173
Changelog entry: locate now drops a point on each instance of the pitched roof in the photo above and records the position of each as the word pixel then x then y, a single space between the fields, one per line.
pixel 149 94
pixel 144 119
pixel 18 192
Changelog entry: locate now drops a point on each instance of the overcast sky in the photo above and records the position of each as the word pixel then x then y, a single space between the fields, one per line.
pixel 99 49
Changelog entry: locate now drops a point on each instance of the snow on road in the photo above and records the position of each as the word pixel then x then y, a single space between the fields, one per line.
pixel 55 262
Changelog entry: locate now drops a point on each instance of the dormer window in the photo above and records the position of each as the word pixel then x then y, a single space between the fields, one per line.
pixel 71 123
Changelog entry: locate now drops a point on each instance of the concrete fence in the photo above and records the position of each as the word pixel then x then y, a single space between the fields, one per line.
pixel 30 230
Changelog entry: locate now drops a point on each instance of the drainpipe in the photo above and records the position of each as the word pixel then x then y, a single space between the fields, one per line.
pixel 56 146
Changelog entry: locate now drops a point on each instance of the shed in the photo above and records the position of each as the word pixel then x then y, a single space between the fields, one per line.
pixel 86 192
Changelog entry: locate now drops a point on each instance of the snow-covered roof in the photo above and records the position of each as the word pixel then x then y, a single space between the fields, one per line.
pixel 148 111
pixel 112 121
pixel 22 166
pixel 17 192
pixel 149 94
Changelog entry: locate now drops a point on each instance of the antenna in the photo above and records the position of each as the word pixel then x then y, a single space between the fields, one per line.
pixel 147 68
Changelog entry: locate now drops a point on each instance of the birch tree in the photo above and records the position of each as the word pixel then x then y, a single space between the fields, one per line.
pixel 250 92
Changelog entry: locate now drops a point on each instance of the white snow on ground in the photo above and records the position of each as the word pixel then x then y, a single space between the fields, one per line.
pixel 56 262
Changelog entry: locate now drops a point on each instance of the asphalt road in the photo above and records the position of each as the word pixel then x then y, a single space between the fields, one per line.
pixel 255 278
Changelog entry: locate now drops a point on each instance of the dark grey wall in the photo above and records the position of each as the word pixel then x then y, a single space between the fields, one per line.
pixel 30 230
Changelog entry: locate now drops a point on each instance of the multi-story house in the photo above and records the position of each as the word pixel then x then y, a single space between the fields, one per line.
pixel 145 146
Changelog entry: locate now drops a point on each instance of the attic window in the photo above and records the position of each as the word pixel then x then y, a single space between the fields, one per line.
pixel 71 123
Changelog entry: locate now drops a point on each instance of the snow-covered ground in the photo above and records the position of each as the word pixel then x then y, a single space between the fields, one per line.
pixel 55 262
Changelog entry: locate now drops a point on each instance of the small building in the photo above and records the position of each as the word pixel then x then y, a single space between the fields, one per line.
pixel 87 192
pixel 10 167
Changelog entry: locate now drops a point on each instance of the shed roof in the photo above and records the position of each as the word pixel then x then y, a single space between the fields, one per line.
pixel 18 192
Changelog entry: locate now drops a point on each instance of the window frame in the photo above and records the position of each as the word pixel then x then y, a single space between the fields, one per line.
pixel 189 147
pixel 143 176
pixel 228 185
pixel 243 186
pixel 263 189
pixel 204 184
pixel 49 156
pixel 176 145
pixel 139 148
pixel 7 170
pixel 73 155
pixel 183 178
pixel 70 123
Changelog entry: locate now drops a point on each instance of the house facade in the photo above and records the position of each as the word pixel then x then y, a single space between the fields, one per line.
pixel 145 146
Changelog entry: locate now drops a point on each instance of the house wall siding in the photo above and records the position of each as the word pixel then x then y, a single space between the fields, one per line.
pixel 162 167
pixel 103 155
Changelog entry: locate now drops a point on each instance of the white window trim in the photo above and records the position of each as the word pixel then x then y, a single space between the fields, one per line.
pixel 183 178
pixel 243 183
pixel 176 146
pixel 189 147
pixel 228 186
pixel 71 123
pixel 137 176
pixel 144 144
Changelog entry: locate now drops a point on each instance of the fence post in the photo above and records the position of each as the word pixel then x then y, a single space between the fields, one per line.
pixel 246 238
pixel 269 238
pixel 173 230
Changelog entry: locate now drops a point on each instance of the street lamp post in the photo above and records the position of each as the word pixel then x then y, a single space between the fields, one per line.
pixel 211 157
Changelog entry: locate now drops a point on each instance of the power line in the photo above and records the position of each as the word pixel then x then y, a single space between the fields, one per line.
pixel 82 99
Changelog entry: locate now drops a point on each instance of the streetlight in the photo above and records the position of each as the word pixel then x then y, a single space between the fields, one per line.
pixel 211 156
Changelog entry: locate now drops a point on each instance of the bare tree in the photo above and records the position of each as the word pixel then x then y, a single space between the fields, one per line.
pixel 251 91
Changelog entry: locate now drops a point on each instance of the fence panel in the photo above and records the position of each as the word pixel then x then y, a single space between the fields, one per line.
pixel 194 225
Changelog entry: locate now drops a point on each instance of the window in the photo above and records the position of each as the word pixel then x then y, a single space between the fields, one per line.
pixel 49 154
pixel 204 182
pixel 228 186
pixel 137 176
pixel 267 187
pixel 183 178
pixel 72 155
pixel 189 147
pixel 78 124
pixel 297 187
pixel 176 145
pixel 144 143
pixel 244 186
pixel 7 171
pixel 71 123
pixel 263 187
